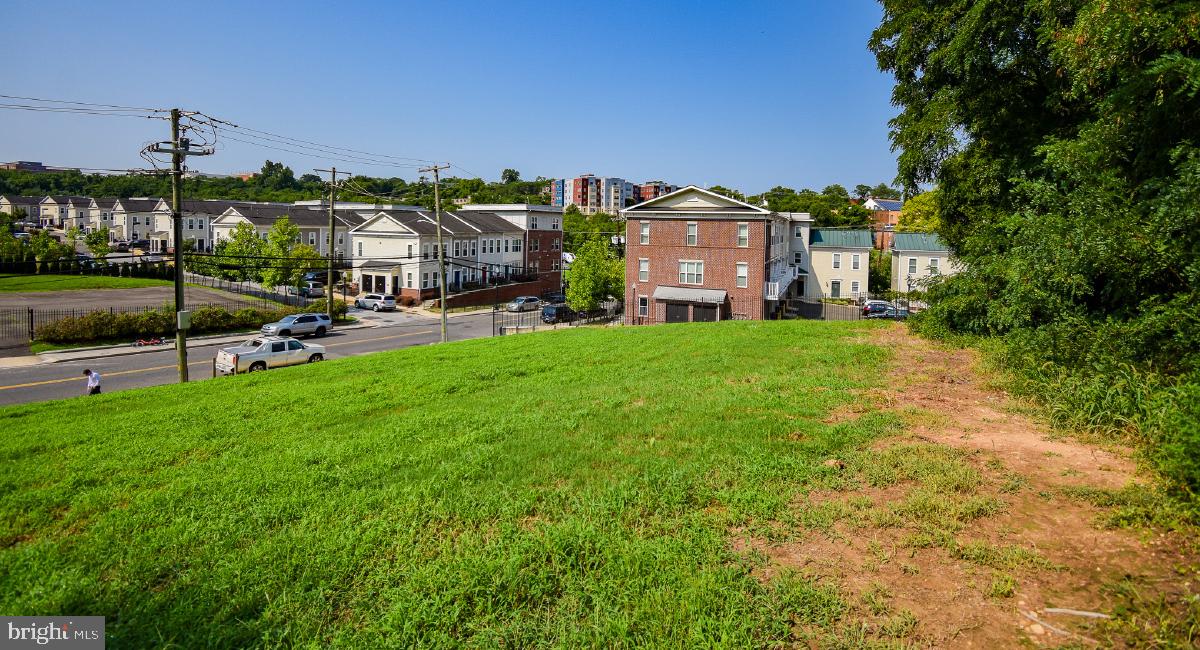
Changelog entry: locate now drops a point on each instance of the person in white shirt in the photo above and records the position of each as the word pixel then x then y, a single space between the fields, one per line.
pixel 93 385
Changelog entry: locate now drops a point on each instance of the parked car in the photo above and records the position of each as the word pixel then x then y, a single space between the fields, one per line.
pixel 554 297
pixel 376 302
pixel 874 307
pixel 312 289
pixel 316 324
pixel 523 303
pixel 121 245
pixel 321 276
pixel 267 352
pixel 558 314
pixel 890 312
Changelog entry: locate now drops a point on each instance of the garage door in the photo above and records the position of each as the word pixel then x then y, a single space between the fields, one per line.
pixel 677 313
pixel 704 313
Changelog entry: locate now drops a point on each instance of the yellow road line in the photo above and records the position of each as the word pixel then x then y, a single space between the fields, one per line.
pixel 194 363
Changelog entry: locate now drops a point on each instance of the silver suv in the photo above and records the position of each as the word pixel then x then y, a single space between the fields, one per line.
pixel 296 324
pixel 376 302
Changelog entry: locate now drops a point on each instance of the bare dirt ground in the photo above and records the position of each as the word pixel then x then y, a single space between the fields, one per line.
pixel 976 527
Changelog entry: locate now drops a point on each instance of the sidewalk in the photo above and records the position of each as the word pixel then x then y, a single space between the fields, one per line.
pixel 101 352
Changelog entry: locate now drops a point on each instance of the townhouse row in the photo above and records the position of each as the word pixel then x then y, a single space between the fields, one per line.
pixel 695 255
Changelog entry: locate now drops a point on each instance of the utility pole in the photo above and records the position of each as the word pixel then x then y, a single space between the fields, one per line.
pixel 437 211
pixel 332 226
pixel 179 148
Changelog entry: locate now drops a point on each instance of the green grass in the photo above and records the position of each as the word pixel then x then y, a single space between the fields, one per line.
pixel 22 283
pixel 572 488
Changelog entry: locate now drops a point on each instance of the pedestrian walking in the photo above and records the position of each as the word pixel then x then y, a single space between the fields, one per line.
pixel 93 382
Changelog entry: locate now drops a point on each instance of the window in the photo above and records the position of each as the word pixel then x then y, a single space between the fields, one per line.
pixel 474 248
pixel 408 281
pixel 554 225
pixel 278 346
pixel 506 245
pixel 933 265
pixel 743 275
pixel 912 266
pixel 797 258
pixel 425 251
pixel 516 245
pixel 837 260
pixel 645 225
pixel 360 249
pixel 557 243
pixel 643 306
pixel 854 288
pixel 692 237
pixel 410 251
pixel 200 223
pixel 341 238
pixel 456 248
pixel 536 244
pixel 799 232
pixel 533 223
pixel 435 280
pixel 855 261
pixel 555 265
pixel 191 224
pixel 643 270
pixel 691 272
pixel 424 280
pixel 743 235
pixel 312 238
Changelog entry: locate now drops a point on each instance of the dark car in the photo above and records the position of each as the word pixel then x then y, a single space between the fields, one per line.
pixel 554 297
pixel 890 312
pixel 558 314
pixel 320 276
pixel 874 307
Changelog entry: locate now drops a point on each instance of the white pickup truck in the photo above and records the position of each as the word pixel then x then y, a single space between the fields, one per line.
pixel 265 352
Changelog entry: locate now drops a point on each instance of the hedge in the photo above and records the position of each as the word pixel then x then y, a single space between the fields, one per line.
pixel 104 325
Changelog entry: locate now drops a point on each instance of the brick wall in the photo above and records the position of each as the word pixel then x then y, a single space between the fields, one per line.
pixel 716 246
pixel 545 256
pixel 503 294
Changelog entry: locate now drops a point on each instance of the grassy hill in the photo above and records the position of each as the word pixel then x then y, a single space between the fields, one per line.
pixel 570 488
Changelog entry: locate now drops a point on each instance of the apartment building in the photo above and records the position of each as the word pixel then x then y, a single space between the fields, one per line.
pixel 395 251
pixel 839 263
pixel 695 255
pixel 312 221
pixel 133 219
pixel 917 257
pixel 11 204
pixel 100 214
pixel 542 225
pixel 591 193
pixel 654 189
pixel 52 210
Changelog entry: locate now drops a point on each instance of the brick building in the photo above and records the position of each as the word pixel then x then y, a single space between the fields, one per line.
pixel 694 255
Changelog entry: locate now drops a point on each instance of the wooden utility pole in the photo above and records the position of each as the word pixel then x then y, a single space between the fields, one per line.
pixel 441 251
pixel 329 249
pixel 179 149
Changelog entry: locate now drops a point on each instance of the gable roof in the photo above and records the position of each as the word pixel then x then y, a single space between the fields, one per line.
pixel 104 204
pixel 137 205
pixel 704 201
pixel 64 198
pixel 829 238
pixel 918 241
pixel 22 200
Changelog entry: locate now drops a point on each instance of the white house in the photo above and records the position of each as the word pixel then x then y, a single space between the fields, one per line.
pixel 100 214
pixel 133 219
pixel 918 256
pixel 53 209
pixel 312 221
pixel 839 262
pixel 12 203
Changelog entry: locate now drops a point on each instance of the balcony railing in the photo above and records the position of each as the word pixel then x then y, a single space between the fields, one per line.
pixel 779 283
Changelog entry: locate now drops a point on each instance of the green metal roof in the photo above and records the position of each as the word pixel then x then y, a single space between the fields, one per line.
pixel 918 241
pixel 840 238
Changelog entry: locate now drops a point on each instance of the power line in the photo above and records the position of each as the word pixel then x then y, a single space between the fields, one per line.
pixel 65 101
pixel 353 161
pixel 315 144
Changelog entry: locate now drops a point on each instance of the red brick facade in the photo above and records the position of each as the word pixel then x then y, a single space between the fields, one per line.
pixel 543 250
pixel 716 246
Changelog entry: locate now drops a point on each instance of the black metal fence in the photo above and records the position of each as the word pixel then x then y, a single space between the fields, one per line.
pixel 883 307
pixel 18 325
pixel 248 289
pixel 509 322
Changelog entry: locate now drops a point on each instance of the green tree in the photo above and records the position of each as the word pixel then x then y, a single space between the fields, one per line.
pixel 920 213
pixel 281 269
pixel 97 243
pixel 725 191
pixel 595 275
pixel 836 193
pixel 238 258
pixel 862 191
pixel 884 191
pixel 510 176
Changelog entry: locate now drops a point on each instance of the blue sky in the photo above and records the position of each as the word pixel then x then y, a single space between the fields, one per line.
pixel 748 95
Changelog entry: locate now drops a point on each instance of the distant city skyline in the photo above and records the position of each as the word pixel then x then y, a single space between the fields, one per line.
pixel 748 96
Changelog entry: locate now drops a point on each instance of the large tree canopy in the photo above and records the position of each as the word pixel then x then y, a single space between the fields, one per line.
pixel 1063 138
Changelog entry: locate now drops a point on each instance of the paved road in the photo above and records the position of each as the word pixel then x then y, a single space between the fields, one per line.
pixel 58 380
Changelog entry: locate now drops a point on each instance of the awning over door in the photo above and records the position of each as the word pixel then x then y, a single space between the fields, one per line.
pixel 688 294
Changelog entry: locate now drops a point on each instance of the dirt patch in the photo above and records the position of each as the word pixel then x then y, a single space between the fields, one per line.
pixel 963 524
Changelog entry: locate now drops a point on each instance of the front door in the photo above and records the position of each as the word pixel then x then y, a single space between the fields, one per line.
pixel 835 289
pixel 380 283
pixel 677 312
pixel 457 278
pixel 704 313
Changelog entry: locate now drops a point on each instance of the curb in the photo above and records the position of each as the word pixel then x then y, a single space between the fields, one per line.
pixel 126 350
